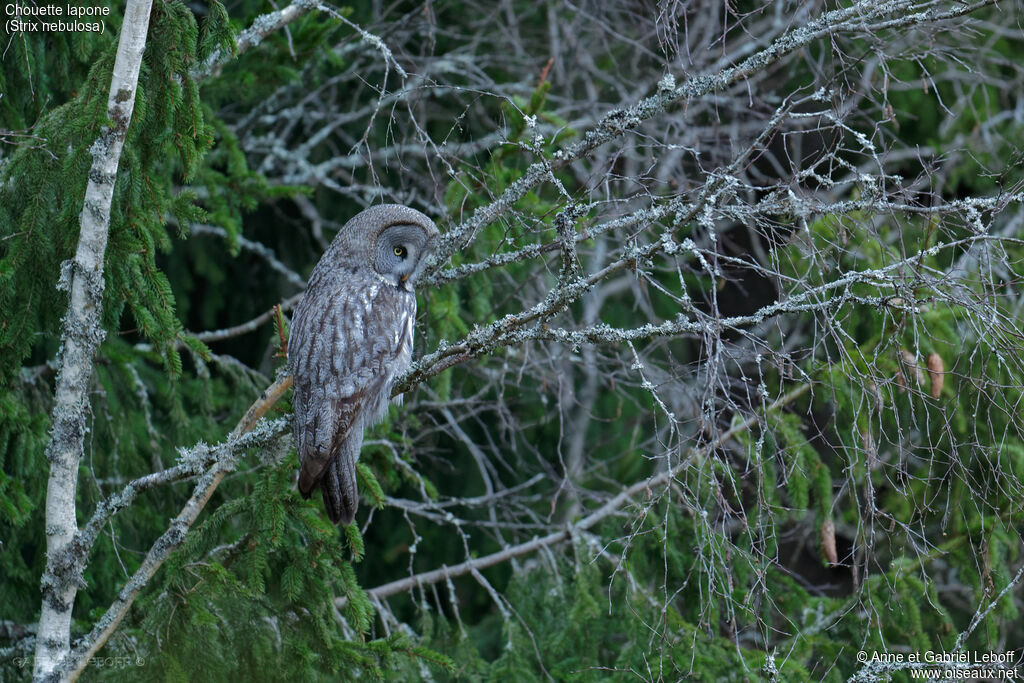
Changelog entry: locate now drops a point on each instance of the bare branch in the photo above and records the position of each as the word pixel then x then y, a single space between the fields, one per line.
pixel 609 508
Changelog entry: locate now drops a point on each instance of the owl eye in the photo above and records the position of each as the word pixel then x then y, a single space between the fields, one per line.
pixel 400 252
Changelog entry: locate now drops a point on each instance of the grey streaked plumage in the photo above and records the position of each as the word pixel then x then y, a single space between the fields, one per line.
pixel 351 336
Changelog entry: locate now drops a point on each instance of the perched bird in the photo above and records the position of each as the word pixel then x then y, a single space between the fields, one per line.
pixel 351 336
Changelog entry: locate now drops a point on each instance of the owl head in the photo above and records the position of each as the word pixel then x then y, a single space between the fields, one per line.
pixel 391 239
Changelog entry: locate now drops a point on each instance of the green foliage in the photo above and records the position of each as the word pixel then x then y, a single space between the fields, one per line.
pixel 902 438
pixel 266 601
pixel 573 622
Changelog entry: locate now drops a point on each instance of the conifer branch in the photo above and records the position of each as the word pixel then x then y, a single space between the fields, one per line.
pixel 261 250
pixel 882 670
pixel 627 494
pixel 224 461
pixel 192 462
pixel 984 611
pixel 81 335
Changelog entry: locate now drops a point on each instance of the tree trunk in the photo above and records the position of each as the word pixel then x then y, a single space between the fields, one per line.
pixel 82 334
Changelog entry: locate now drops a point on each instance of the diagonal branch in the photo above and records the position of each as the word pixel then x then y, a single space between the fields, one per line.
pixel 260 28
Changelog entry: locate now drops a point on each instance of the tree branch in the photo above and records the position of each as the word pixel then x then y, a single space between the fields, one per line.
pixel 260 28
pixel 616 123
pixel 224 459
pixel 662 479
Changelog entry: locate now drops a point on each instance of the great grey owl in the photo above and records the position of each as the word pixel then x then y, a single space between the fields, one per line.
pixel 351 336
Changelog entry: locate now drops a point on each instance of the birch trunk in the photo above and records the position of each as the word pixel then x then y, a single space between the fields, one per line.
pixel 81 335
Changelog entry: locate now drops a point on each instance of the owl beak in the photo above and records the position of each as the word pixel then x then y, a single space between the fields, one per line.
pixel 404 278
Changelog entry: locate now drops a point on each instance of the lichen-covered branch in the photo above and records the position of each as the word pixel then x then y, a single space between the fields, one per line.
pixel 260 28
pixel 217 462
pixel 620 121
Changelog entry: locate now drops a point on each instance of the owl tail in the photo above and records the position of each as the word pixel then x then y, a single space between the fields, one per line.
pixel 339 488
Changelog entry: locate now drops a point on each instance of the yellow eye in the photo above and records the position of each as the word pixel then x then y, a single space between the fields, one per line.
pixel 400 252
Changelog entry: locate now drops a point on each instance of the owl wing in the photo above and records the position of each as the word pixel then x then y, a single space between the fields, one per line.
pixel 332 427
pixel 346 337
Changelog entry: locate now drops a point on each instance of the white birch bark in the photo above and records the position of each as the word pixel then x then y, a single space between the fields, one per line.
pixel 81 335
